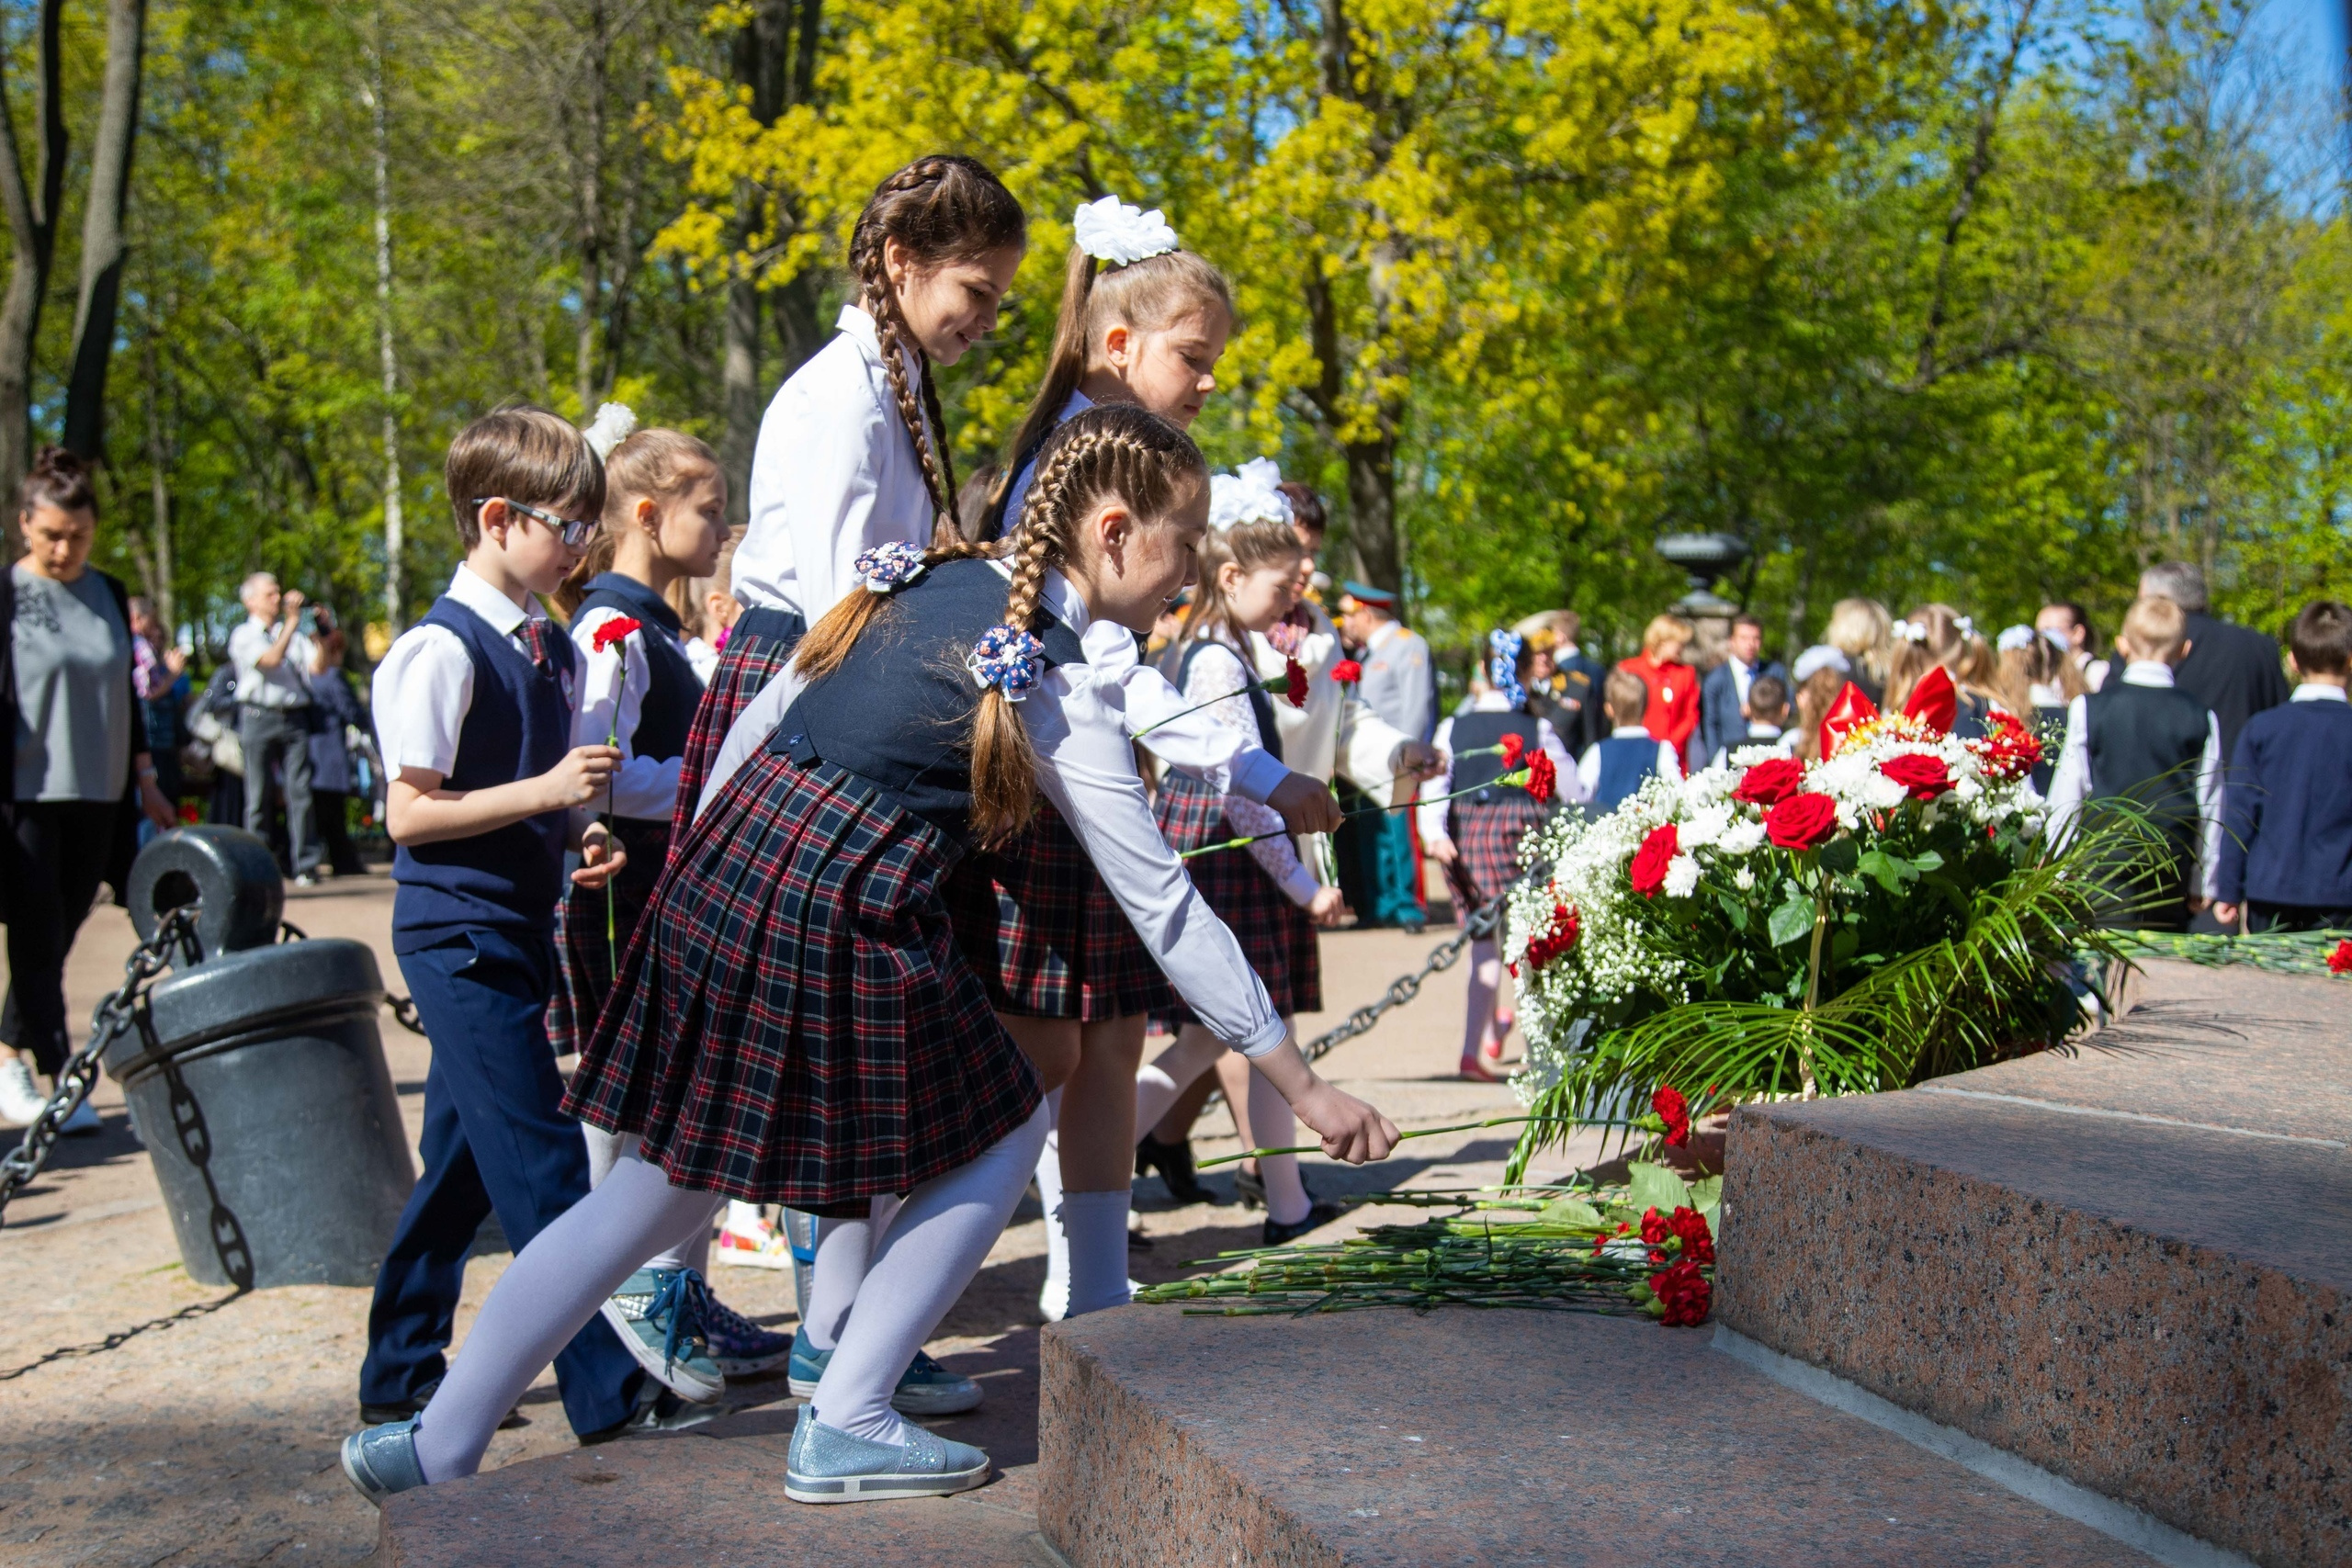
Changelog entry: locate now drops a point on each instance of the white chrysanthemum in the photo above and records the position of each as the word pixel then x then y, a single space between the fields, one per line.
pixel 1705 826
pixel 1112 231
pixel 1682 876
pixel 1741 838
pixel 1743 879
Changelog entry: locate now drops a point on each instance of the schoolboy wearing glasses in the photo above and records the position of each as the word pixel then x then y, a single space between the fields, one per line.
pixel 474 708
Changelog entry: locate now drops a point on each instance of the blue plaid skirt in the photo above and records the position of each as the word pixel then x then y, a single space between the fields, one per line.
pixel 758 647
pixel 1276 937
pixel 592 933
pixel 794 1021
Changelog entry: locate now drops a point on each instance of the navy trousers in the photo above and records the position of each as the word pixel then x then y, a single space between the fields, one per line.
pixel 495 1141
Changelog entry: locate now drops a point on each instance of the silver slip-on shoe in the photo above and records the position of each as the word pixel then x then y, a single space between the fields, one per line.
pixel 381 1461
pixel 827 1466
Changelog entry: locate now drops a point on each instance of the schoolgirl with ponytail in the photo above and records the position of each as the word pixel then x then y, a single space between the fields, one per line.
pixel 1143 323
pixel 796 1023
pixel 854 452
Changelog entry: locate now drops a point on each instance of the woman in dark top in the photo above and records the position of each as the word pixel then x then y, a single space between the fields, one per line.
pixel 73 760
pixel 333 707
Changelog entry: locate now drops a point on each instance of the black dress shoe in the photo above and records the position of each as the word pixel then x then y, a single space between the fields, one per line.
pixel 1252 1186
pixel 1174 1163
pixel 1275 1233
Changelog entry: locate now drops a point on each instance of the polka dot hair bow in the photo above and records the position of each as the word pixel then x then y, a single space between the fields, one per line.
pixel 1008 658
pixel 888 568
pixel 1502 666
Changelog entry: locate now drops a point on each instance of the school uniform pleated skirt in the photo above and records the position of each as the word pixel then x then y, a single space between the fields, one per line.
pixel 1487 834
pixel 591 932
pixel 1276 937
pixel 758 646
pixel 794 1022
pixel 1050 941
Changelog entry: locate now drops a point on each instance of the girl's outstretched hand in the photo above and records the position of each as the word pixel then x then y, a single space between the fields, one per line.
pixel 1350 1129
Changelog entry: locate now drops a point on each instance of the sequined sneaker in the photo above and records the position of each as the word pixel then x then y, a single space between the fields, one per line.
pixel 926 1388
pixel 827 1466
pixel 740 1347
pixel 382 1460
pixel 659 1315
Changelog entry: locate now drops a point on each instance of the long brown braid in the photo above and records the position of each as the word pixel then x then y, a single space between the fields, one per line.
pixel 941 207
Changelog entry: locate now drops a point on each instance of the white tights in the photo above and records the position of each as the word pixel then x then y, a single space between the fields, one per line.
pixel 690 1247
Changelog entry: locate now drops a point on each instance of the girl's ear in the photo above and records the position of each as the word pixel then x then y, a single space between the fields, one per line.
pixel 1118 345
pixel 1228 578
pixel 646 515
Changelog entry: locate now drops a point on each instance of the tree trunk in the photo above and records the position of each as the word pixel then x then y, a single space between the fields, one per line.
pixel 386 354
pixel 32 222
pixel 103 250
pixel 156 559
pixel 741 376
pixel 1371 511
pixel 590 189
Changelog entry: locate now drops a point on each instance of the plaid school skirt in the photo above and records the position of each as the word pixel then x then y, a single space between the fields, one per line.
pixel 587 954
pixel 1048 940
pixel 794 1022
pixel 1487 834
pixel 758 647
pixel 1276 937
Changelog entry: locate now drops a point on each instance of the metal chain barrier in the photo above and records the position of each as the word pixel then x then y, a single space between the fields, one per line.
pixel 1405 987
pixel 405 1013
pixel 114 1017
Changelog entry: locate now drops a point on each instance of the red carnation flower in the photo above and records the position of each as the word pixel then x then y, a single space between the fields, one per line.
pixel 1801 822
pixel 1295 683
pixel 1698 1241
pixel 1654 1230
pixel 1770 782
pixel 1685 1294
pixel 1347 671
pixel 1513 746
pixel 1543 777
pixel 1675 1111
pixel 1926 777
pixel 2340 960
pixel 612 631
pixel 1554 939
pixel 1657 850
pixel 2011 752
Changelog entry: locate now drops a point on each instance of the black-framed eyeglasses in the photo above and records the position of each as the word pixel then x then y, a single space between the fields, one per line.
pixel 572 531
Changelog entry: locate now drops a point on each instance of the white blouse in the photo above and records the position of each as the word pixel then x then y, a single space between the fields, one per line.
pixel 835 473
pixel 612 701
pixel 1078 722
pixel 1220 673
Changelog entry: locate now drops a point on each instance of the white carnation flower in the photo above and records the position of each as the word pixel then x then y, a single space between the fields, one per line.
pixel 1705 826
pixel 1745 879
pixel 1111 230
pixel 1742 839
pixel 1682 876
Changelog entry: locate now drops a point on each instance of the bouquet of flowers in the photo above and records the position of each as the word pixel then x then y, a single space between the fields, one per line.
pixel 1890 913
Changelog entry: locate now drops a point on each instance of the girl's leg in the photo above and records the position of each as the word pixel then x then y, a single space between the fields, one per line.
pixel 1478 1024
pixel 1262 1120
pixel 1161 1085
pixel 550 1290
pixel 1097 1152
pixel 690 1247
pixel 842 1248
pixel 1053 1298
pixel 925 1259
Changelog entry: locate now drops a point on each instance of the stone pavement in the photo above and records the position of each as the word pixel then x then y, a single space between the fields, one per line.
pixel 207 1435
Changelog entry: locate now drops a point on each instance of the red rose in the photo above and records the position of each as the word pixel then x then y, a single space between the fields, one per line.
pixel 1295 683
pixel 1770 782
pixel 1675 1111
pixel 2340 960
pixel 1698 1241
pixel 1554 939
pixel 1801 822
pixel 612 631
pixel 1654 1230
pixel 1648 870
pixel 1347 671
pixel 1543 777
pixel 1514 747
pixel 1926 777
pixel 1685 1294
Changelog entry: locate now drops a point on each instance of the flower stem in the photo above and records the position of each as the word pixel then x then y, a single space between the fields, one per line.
pixel 1519 779
pixel 1812 986
pixel 1425 1133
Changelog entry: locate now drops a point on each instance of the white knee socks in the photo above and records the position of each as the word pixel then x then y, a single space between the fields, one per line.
pixel 1054 1299
pixel 553 1287
pixel 690 1248
pixel 926 1258
pixel 1095 1224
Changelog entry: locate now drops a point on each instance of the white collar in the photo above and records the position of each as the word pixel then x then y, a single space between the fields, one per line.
pixel 1629 732
pixel 2147 672
pixel 475 594
pixel 1758 730
pixel 2314 692
pixel 1736 662
pixel 1059 595
pixel 1491 701
pixel 859 325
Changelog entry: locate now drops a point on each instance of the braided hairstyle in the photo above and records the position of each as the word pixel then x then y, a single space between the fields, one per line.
pixel 940 209
pixel 1113 451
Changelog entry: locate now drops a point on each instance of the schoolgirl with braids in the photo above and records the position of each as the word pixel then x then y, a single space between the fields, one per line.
pixel 796 1023
pixel 1142 323
pixel 852 452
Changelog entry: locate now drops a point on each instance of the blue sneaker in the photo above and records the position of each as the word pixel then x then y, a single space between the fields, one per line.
pixel 740 1347
pixel 659 1315
pixel 827 1466
pixel 925 1389
pixel 381 1461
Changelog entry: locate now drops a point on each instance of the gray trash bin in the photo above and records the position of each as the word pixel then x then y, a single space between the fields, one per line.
pixel 260 1086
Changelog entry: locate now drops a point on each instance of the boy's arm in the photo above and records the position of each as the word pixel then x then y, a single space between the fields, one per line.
pixel 417 810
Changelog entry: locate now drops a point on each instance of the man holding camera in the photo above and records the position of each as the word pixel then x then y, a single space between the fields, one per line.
pixel 273 653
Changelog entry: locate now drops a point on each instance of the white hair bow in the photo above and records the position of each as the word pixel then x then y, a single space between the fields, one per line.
pixel 2012 639
pixel 1252 493
pixel 1111 230
pixel 1965 626
pixel 609 428
pixel 1910 631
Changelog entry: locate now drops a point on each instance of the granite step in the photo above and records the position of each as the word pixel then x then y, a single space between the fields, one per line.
pixel 2127 1264
pixel 1491 1438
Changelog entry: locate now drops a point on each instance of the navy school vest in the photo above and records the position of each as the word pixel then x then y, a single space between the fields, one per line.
pixel 899 710
pixel 1261 706
pixel 668 714
pixel 1476 731
pixel 519 726
pixel 1624 765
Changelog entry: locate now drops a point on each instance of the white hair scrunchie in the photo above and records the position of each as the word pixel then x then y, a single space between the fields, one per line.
pixel 1111 230
pixel 1252 493
pixel 609 428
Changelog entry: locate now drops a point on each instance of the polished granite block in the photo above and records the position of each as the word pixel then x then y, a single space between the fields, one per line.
pixel 1490 1438
pixel 2129 1264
